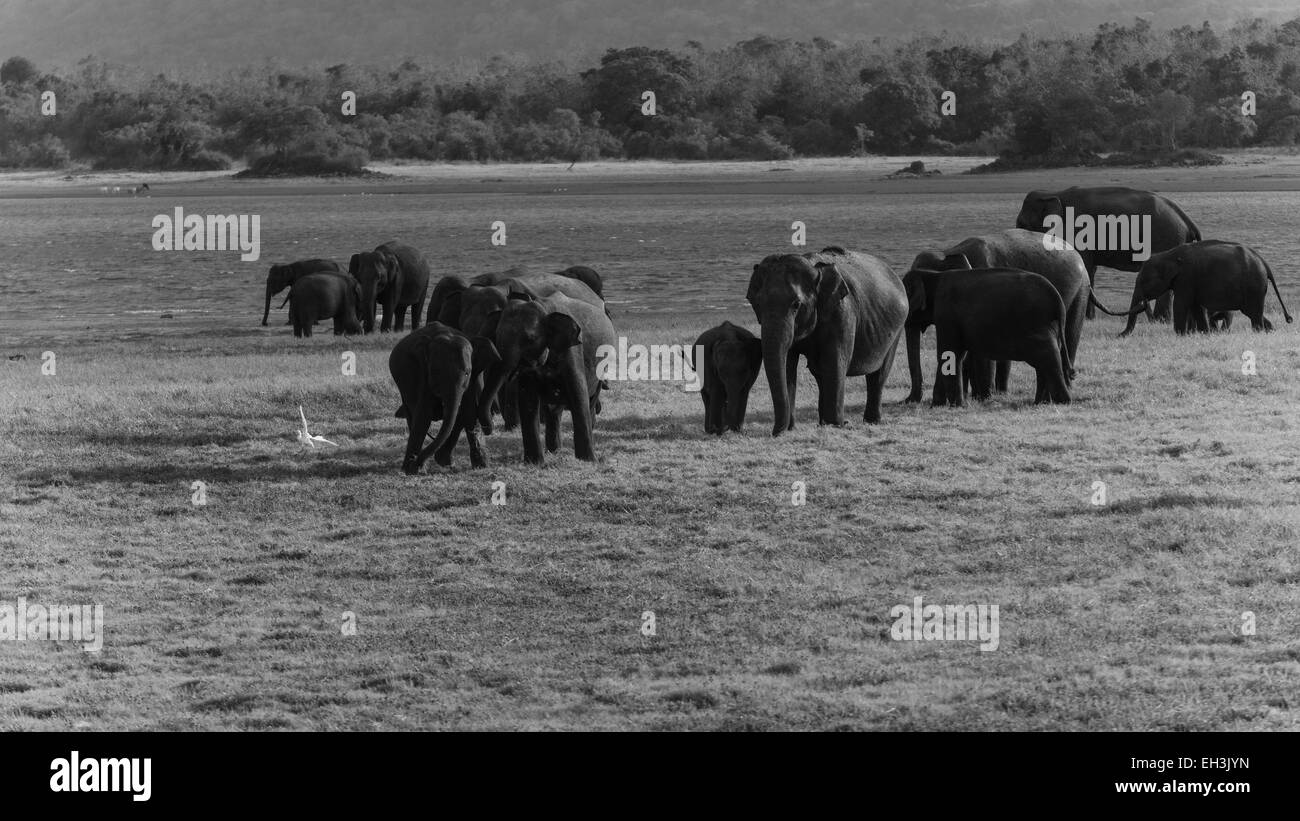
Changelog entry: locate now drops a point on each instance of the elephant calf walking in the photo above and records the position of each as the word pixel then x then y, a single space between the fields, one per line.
pixel 730 360
pixel 1208 277
pixel 994 313
pixel 325 296
pixel 439 374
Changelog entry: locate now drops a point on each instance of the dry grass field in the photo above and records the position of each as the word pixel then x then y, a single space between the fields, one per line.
pixel 768 615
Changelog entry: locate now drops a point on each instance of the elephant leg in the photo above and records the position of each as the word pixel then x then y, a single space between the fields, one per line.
pixel 1201 319
pixel 1182 316
pixel 443 455
pixel 830 397
pixel 401 318
pixel 477 456
pixel 979 372
pixel 715 406
pixel 420 417
pixel 1003 375
pixel 947 386
pixel 387 323
pixel 529 422
pixel 1161 313
pixel 791 379
pixel 509 404
pixel 1051 375
pixel 735 412
pixel 955 395
pixel 875 390
pixel 553 415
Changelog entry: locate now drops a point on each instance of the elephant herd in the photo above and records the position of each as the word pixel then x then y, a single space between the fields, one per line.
pixel 526 344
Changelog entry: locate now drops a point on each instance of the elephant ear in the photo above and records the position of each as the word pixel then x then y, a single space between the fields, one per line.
pixel 915 286
pixel 354 264
pixel 753 283
pixel 562 331
pixel 957 262
pixel 518 293
pixel 1052 205
pixel 831 287
pixel 390 259
pixel 485 354
pixel 490 323
pixel 450 312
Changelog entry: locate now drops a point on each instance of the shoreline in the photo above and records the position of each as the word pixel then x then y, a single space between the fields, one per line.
pixel 1243 170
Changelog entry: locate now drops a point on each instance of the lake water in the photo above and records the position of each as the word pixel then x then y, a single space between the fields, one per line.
pixel 68 264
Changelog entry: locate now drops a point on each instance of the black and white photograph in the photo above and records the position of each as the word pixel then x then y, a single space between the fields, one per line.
pixel 640 366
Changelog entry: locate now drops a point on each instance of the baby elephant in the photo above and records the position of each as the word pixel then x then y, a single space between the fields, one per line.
pixel 1209 280
pixel 325 295
pixel 439 373
pixel 993 313
pixel 730 362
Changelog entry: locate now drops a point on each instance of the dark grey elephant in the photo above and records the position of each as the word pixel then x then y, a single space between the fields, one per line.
pixel 1016 248
pixel 728 359
pixel 284 275
pixel 474 307
pixel 439 374
pixel 991 314
pixel 1170 226
pixel 325 295
pixel 843 311
pixel 552 344
pixel 1208 276
pixel 395 277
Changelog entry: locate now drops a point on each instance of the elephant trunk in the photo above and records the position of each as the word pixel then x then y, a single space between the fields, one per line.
pixel 1137 306
pixel 266 312
pixel 368 294
pixel 493 379
pixel 777 335
pixel 450 411
pixel 914 362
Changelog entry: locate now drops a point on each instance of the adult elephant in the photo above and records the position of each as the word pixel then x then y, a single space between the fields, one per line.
pixel 1017 248
pixel 444 307
pixel 284 275
pixel 1170 226
pixel 552 345
pixel 325 295
pixel 474 306
pixel 993 313
pixel 394 276
pixel 1208 276
pixel 439 374
pixel 841 310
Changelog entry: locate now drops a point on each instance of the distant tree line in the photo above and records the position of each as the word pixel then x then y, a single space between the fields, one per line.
pixel 1121 88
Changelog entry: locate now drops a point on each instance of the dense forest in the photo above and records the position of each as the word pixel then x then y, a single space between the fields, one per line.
pixel 1062 98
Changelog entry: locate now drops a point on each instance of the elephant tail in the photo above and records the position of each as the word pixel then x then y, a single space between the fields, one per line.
pixel 1067 367
pixel 1269 270
pixel 286 298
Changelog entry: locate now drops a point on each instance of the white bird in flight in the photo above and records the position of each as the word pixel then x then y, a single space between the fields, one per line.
pixel 305 435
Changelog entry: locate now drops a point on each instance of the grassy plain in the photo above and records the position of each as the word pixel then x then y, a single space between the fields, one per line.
pixel 768 615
